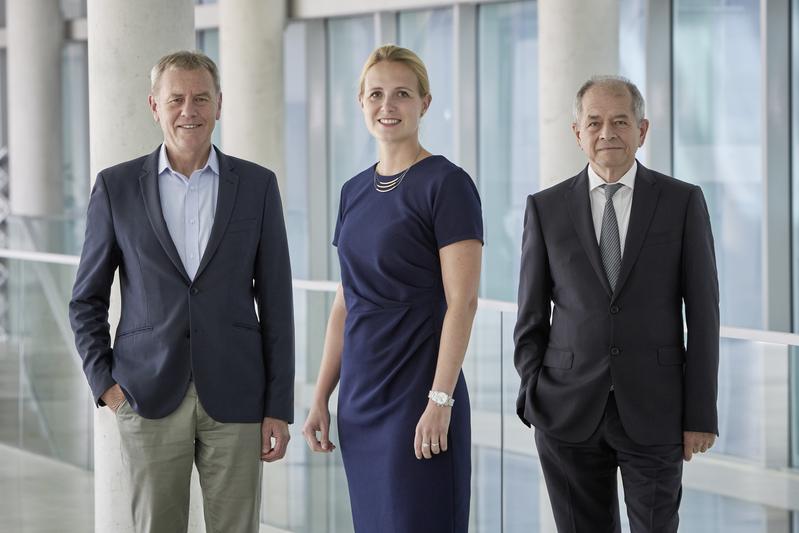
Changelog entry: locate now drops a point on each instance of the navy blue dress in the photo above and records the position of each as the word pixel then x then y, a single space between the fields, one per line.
pixel 388 247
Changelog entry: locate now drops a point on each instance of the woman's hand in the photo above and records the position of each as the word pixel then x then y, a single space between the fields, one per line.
pixel 318 420
pixel 431 431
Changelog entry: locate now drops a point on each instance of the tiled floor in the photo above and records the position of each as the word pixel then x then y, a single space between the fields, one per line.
pixel 41 495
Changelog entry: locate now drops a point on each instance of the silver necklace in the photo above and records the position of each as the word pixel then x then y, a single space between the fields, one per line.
pixel 390 185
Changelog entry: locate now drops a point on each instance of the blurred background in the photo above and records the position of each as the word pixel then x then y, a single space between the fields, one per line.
pixel 720 81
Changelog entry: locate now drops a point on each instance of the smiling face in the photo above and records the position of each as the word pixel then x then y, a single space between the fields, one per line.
pixel 186 105
pixel 607 130
pixel 391 102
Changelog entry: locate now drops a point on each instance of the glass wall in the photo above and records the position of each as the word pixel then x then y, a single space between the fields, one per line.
pixel 507 136
pixel 208 43
pixel 717 139
pixel 717 144
pixel 633 20
pixel 296 193
pixel 350 147
pixel 4 183
pixel 3 100
pixel 75 135
pixel 717 120
pixel 429 33
pixel 72 9
pixel 795 230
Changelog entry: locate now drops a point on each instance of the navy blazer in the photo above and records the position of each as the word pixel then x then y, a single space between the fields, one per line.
pixel 632 338
pixel 172 329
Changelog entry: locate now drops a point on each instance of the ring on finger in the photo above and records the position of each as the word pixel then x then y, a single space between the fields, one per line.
pixel 425 445
pixel 434 445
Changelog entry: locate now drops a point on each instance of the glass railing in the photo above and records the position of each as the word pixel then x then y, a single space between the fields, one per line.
pixel 49 411
pixel 60 234
pixel 746 485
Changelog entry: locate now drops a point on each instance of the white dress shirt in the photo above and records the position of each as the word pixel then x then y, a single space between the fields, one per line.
pixel 189 205
pixel 622 201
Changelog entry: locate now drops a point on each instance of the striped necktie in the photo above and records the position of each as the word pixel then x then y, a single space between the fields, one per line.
pixel 609 242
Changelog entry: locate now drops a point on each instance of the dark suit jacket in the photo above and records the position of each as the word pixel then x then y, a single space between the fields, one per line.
pixel 173 329
pixel 631 338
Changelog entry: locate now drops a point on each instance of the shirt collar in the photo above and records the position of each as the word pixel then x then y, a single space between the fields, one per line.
pixel 628 179
pixel 164 164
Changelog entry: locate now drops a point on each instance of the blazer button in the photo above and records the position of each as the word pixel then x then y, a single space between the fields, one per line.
pixel 188 334
pixel 614 309
pixel 615 350
pixel 195 290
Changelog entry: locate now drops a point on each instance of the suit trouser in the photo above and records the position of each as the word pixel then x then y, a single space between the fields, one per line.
pixel 158 456
pixel 581 480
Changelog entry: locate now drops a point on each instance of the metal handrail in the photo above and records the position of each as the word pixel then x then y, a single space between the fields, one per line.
pixel 727 332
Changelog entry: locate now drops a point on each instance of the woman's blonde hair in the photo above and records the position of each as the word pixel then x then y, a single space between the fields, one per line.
pixel 390 52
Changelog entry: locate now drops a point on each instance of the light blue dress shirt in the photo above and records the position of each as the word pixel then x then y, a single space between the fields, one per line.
pixel 189 205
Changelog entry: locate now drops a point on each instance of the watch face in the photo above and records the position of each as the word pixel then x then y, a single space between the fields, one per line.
pixel 439 397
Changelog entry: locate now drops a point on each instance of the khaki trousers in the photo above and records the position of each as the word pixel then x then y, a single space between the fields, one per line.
pixel 158 456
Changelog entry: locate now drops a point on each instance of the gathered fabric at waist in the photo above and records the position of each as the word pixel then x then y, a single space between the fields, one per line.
pixel 432 300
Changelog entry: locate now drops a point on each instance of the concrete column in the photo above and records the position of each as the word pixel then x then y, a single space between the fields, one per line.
pixel 125 40
pixel 576 40
pixel 251 63
pixel 34 33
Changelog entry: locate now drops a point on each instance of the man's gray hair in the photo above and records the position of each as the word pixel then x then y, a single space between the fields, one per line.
pixel 610 81
pixel 184 60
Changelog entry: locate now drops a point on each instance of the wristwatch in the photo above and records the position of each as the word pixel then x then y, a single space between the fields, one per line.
pixel 441 399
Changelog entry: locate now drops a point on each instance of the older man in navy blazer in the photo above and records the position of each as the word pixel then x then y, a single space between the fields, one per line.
pixel 609 259
pixel 195 374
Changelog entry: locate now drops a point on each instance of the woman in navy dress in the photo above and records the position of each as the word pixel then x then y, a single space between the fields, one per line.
pixel 409 237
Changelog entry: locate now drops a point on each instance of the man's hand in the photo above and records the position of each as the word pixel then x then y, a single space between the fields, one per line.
pixel 273 428
pixel 696 442
pixel 113 397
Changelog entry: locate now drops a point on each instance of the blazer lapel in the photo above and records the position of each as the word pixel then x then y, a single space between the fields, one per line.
pixel 148 182
pixel 645 199
pixel 580 212
pixel 225 200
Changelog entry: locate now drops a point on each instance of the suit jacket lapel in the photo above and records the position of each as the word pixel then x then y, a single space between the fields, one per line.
pixel 225 200
pixel 580 212
pixel 148 182
pixel 645 199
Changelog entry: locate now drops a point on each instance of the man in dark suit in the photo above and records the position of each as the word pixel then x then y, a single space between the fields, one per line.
pixel 609 259
pixel 195 374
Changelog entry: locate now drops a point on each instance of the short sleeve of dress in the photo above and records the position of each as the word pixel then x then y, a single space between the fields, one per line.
pixel 457 214
pixel 339 218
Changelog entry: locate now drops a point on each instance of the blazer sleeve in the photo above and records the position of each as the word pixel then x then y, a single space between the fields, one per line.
pixel 88 308
pixel 531 334
pixel 275 307
pixel 701 298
